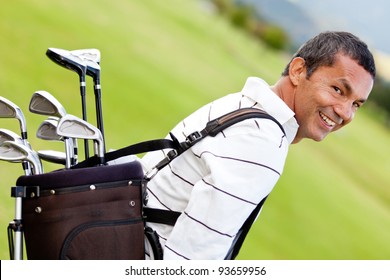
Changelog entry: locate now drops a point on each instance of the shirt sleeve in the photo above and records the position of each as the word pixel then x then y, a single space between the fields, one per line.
pixel 241 169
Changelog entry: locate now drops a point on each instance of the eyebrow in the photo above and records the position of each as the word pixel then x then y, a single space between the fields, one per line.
pixel 346 84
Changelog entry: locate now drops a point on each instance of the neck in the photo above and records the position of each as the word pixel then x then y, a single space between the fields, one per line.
pixel 285 90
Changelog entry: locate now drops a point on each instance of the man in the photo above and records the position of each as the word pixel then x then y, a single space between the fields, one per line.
pixel 217 183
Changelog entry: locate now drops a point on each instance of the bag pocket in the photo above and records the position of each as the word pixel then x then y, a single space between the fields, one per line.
pixel 105 240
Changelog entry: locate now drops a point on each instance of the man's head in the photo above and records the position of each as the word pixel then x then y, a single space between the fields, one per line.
pixel 326 81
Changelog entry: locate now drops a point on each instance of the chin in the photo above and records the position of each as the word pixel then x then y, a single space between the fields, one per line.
pixel 318 138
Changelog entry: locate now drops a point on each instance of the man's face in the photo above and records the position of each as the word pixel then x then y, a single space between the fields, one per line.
pixel 328 100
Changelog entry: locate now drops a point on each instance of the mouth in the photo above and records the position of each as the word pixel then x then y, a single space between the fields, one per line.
pixel 327 120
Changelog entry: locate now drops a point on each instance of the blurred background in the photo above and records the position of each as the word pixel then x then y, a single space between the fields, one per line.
pixel 161 60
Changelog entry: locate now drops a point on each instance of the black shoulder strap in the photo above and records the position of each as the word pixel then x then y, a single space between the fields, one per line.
pixel 212 128
pixel 242 233
pixel 138 148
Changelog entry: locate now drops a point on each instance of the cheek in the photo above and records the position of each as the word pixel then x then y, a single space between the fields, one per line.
pixel 306 104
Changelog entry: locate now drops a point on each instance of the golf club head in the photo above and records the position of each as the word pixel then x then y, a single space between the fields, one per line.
pixel 48 130
pixel 10 110
pixel 93 70
pixel 89 54
pixel 14 152
pixel 52 156
pixel 73 127
pixel 92 58
pixel 43 103
pixel 65 59
pixel 8 135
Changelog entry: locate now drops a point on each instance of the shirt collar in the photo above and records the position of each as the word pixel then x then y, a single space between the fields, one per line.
pixel 259 91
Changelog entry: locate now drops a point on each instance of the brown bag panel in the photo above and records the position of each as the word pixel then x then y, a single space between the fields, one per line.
pixel 49 220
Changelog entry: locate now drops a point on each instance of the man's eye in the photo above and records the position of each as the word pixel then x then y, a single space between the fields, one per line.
pixel 357 105
pixel 337 90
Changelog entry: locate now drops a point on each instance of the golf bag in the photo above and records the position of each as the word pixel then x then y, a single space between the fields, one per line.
pixel 87 213
pixel 99 212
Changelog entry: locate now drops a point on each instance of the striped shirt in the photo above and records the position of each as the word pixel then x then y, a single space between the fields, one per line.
pixel 218 182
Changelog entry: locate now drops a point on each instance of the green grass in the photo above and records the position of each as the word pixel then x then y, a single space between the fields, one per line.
pixel 162 61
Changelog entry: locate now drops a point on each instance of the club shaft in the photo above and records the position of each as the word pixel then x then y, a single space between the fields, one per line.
pixel 84 111
pixel 18 238
pixel 26 165
pixel 75 151
pixel 99 110
pixel 69 159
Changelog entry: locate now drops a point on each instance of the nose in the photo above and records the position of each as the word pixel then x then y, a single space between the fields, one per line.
pixel 346 111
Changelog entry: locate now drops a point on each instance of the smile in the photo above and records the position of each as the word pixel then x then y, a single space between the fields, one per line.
pixel 327 120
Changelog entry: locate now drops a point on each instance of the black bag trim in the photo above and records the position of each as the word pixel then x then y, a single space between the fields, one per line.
pixel 36 191
pixel 83 176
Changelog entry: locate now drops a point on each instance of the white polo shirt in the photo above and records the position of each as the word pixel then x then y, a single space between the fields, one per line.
pixel 218 182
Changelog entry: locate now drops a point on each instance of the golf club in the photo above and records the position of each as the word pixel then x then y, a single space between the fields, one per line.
pixel 92 59
pixel 10 110
pixel 44 103
pixel 52 156
pixel 48 131
pixel 8 135
pixel 65 59
pixel 74 127
pixel 16 152
pixel 90 54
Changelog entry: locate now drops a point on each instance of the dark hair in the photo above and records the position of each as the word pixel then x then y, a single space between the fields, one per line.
pixel 322 49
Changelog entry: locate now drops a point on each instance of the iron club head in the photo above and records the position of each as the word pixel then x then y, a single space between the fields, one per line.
pixel 8 135
pixel 44 103
pixel 10 110
pixel 74 127
pixel 47 130
pixel 14 152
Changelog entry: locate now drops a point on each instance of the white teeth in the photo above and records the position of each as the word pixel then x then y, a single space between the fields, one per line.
pixel 327 120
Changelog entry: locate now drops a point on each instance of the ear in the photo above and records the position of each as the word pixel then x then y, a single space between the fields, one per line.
pixel 297 70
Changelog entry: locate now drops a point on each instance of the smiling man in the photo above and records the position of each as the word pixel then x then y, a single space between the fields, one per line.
pixel 327 80
pixel 220 182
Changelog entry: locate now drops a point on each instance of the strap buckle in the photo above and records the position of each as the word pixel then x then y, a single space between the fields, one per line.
pixel 193 137
pixel 168 158
pixel 172 154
